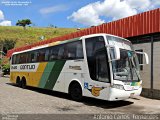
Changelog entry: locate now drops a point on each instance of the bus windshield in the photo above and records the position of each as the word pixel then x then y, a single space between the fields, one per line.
pixel 127 67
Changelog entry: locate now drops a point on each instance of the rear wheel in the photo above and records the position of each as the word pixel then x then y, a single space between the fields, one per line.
pixel 18 82
pixel 75 91
pixel 23 83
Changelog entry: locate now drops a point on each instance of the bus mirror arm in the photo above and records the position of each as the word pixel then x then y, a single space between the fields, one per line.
pixel 116 51
pixel 146 57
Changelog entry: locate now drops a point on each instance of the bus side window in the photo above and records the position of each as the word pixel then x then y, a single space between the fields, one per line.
pixel 41 55
pixel 47 54
pixel 14 59
pixel 17 59
pixel 70 51
pixel 79 50
pixel 53 53
pixel 61 52
pixel 29 57
pixel 74 50
pixel 34 56
pixel 25 55
pixel 22 58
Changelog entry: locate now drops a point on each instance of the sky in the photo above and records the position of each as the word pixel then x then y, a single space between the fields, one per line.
pixel 71 13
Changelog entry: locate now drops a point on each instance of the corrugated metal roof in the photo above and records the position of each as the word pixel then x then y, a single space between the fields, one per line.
pixel 140 24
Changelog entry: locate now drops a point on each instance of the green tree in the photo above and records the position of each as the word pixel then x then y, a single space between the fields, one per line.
pixel 8 44
pixel 24 22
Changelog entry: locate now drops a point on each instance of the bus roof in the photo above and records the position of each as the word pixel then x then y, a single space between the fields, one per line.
pixel 103 34
pixel 67 41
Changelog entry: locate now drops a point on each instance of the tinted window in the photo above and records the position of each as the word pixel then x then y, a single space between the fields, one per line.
pixel 14 59
pixel 34 56
pixel 41 55
pixel 72 50
pixel 92 45
pixel 61 54
pixel 102 69
pixel 17 58
pixel 53 53
pixel 29 57
pixel 69 51
pixel 46 55
pixel 79 50
pixel 23 58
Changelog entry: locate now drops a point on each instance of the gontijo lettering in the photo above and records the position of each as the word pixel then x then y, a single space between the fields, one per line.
pixel 14 67
pixel 22 67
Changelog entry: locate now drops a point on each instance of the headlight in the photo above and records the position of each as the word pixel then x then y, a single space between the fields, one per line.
pixel 118 86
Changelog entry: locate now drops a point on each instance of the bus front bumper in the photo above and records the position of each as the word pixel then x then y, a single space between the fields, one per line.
pixel 118 94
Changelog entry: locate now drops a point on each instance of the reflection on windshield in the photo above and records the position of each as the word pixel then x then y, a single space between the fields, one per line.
pixel 127 68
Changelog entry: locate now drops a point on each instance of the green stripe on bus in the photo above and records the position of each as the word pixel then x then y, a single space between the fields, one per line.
pixel 54 74
pixel 46 74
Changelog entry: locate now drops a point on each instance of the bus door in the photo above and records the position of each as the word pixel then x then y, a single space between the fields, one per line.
pixel 98 81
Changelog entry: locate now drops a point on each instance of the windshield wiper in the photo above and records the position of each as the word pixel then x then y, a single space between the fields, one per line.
pixel 122 74
pixel 134 68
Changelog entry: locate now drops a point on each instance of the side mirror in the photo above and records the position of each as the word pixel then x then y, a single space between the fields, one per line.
pixel 114 52
pixel 117 52
pixel 146 57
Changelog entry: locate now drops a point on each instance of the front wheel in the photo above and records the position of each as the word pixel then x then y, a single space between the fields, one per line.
pixel 75 92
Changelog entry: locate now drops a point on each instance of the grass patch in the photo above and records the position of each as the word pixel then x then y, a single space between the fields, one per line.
pixel 31 34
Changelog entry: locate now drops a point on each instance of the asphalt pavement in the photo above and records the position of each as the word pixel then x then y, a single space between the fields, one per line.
pixel 17 103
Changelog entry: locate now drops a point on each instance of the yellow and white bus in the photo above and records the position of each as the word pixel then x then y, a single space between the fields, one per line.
pixel 101 66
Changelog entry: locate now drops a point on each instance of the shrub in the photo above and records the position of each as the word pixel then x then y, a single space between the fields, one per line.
pixel 6 69
pixel 5 66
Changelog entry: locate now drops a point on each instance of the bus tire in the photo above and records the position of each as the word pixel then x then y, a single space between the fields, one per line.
pixel 23 82
pixel 75 91
pixel 18 82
